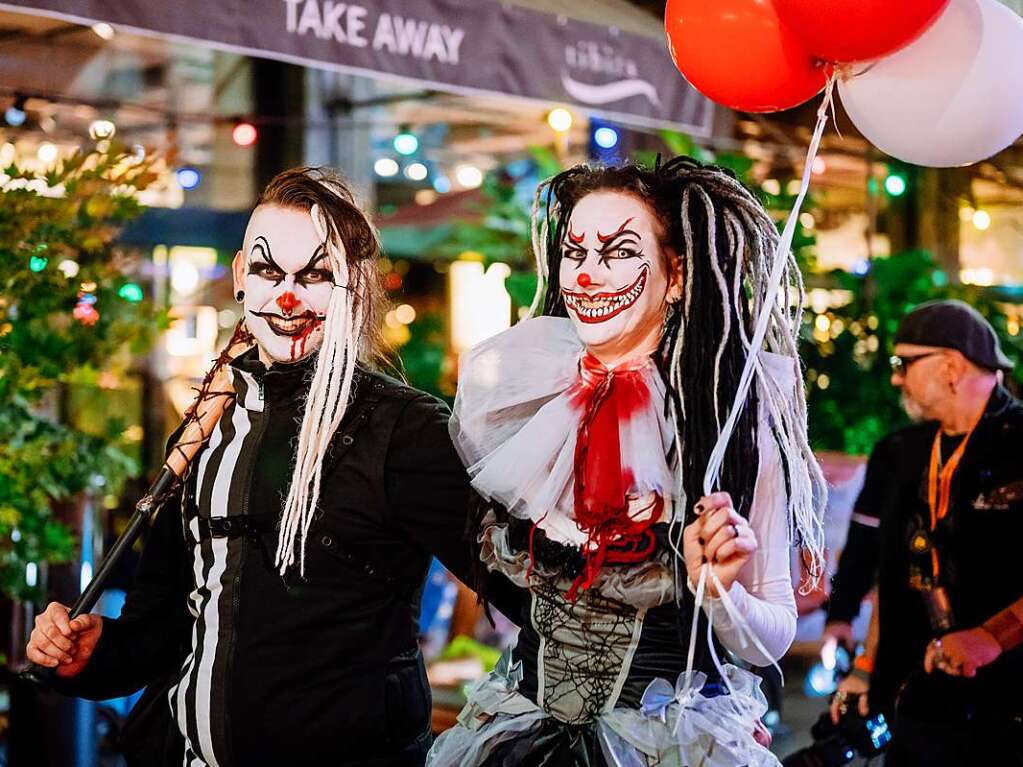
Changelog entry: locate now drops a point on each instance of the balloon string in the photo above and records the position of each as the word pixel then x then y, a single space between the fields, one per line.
pixel 747 635
pixel 712 476
pixel 701 584
pixel 832 79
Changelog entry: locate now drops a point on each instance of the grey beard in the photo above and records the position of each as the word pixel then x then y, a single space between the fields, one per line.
pixel 912 408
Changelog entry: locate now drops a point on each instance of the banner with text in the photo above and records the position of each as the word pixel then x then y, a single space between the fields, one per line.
pixel 481 46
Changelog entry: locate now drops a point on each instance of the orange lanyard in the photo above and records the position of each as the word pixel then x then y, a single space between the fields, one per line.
pixel 939 484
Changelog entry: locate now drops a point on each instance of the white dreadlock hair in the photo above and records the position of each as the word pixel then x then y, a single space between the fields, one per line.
pixel 351 244
pixel 724 240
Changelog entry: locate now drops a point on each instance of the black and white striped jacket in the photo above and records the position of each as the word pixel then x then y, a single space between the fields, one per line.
pixel 255 669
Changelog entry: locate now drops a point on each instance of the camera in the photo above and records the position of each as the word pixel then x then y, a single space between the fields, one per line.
pixel 838 744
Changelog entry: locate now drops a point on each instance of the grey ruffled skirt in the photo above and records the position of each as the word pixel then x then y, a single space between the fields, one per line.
pixel 676 726
pixel 688 723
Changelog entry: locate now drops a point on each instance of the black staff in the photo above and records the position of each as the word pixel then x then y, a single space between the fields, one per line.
pixel 210 402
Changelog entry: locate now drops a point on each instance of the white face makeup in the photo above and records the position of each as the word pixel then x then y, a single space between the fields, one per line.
pixel 284 271
pixel 614 276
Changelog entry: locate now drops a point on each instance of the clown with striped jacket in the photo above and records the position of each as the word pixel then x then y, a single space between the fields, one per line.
pixel 273 619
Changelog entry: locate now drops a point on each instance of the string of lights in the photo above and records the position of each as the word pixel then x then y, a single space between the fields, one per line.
pixel 411 160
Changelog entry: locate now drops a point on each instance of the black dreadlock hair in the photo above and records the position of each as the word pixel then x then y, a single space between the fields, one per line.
pixel 725 244
pixel 701 354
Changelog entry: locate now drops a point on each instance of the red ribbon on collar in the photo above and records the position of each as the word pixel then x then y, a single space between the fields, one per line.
pixel 606 398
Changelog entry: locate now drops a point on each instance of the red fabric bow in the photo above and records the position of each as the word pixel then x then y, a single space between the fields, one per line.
pixel 603 486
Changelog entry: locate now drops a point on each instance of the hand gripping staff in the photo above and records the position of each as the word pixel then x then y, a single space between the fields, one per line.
pixel 212 399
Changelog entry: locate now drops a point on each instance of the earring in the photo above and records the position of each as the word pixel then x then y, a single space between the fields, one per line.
pixel 239 296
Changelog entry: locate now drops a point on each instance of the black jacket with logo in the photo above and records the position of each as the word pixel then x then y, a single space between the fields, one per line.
pixel 255 669
pixel 979 548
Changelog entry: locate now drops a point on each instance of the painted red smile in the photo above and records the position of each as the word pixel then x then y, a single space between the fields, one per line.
pixel 600 307
pixel 300 325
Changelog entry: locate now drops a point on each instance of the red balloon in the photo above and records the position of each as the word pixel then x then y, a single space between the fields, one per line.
pixel 856 30
pixel 737 53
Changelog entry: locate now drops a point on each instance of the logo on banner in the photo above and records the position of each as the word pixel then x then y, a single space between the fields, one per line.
pixel 602 59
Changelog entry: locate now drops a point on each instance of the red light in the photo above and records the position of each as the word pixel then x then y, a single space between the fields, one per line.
pixel 244 134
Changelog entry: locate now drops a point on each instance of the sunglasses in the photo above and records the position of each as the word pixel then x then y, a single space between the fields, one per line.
pixel 901 364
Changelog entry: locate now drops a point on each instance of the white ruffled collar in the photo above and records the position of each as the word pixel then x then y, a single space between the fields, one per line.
pixel 515 427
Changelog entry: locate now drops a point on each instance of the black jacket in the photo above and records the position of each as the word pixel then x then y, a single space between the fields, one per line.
pixel 979 545
pixel 320 670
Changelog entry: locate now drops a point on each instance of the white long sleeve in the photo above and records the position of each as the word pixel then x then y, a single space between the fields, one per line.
pixel 762 592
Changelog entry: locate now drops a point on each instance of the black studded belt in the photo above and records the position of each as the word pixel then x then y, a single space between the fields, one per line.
pixel 232 527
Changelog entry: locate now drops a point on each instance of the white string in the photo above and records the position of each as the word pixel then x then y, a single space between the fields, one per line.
pixel 747 636
pixel 713 650
pixel 766 308
pixel 700 585
pixel 779 263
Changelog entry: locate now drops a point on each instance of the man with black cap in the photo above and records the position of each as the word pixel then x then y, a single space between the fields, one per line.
pixel 949 656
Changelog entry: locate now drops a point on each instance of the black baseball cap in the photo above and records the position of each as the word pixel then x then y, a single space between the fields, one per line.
pixel 954 325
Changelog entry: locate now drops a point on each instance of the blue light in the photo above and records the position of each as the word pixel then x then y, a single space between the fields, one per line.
pixel 189 178
pixel 15 117
pixel 861 267
pixel 406 143
pixel 442 184
pixel 880 735
pixel 819 682
pixel 606 138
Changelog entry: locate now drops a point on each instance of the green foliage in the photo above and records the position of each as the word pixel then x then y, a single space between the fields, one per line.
pixel 521 286
pixel 467 647
pixel 502 234
pixel 422 356
pixel 854 404
pixel 56 229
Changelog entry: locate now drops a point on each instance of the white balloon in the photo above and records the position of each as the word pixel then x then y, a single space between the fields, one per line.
pixel 952 97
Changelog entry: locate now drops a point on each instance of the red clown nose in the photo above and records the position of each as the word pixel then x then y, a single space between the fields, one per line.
pixel 287 302
pixel 583 280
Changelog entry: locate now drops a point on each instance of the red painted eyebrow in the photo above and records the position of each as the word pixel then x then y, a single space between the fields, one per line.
pixel 606 238
pixel 576 239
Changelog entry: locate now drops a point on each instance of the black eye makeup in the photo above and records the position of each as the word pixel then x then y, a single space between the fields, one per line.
pixel 314 276
pixel 625 249
pixel 311 274
pixel 268 269
pixel 574 253
pixel 623 245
